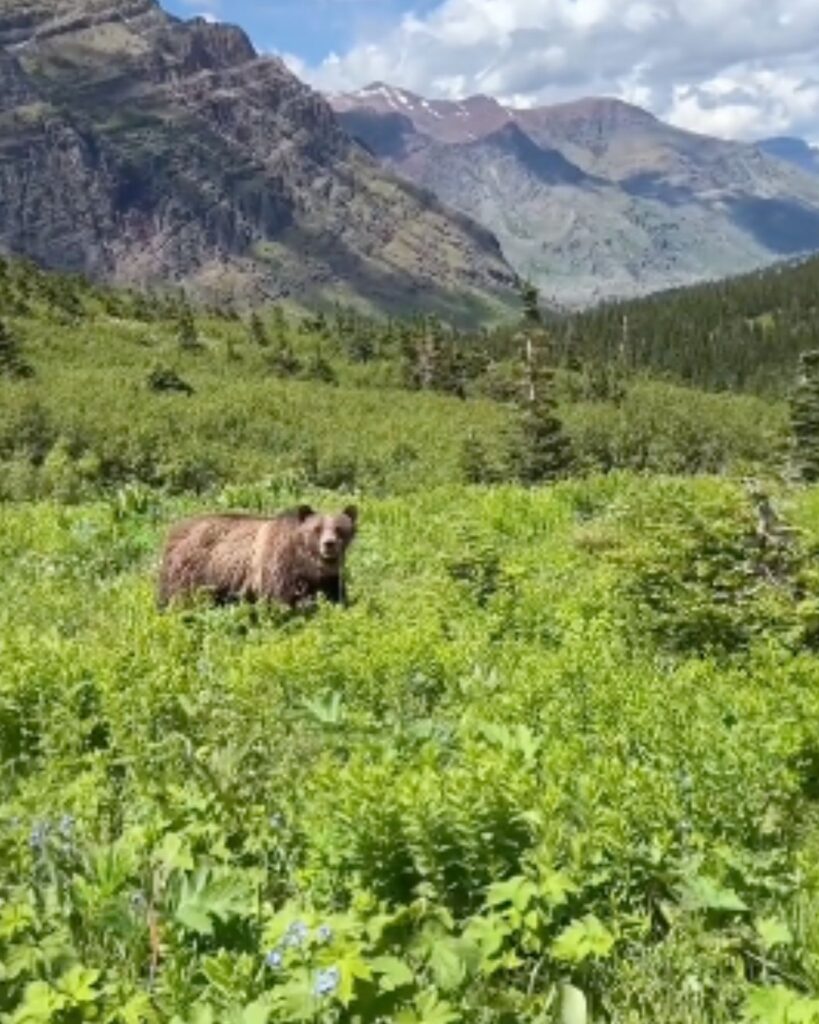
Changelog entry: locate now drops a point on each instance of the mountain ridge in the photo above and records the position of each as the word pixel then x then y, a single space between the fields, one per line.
pixel 651 206
pixel 143 149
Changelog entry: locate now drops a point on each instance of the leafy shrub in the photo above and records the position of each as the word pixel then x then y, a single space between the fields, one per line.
pixel 706 578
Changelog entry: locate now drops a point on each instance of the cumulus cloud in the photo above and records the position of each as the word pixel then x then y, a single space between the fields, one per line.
pixel 739 68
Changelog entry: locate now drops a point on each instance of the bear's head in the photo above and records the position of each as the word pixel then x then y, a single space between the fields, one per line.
pixel 328 536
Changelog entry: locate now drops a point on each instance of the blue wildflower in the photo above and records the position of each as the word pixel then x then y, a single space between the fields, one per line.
pixel 66 826
pixel 327 980
pixel 296 934
pixel 325 932
pixel 138 901
pixel 276 821
pixel 38 837
pixel 273 959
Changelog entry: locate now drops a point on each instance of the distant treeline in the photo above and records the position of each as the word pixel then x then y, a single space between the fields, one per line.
pixel 742 334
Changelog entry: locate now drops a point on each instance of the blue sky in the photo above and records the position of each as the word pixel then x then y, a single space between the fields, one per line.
pixel 308 29
pixel 732 68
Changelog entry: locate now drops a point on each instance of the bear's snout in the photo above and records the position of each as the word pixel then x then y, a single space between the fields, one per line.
pixel 329 547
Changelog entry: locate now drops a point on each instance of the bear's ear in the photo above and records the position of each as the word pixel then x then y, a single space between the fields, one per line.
pixel 303 512
pixel 351 511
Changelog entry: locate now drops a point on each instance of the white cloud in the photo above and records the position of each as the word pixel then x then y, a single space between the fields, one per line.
pixel 740 68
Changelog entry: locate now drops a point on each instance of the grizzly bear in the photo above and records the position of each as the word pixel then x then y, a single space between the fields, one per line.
pixel 288 558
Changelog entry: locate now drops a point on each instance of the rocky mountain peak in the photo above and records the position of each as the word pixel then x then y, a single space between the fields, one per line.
pixel 143 148
pixel 445 120
pixel 598 198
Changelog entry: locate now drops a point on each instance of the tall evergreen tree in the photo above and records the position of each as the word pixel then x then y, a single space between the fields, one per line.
pixel 12 363
pixel 805 417
pixel 186 333
pixel 278 323
pixel 258 332
pixel 540 449
pixel 473 460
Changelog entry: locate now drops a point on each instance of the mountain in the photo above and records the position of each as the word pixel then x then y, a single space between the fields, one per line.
pixel 594 199
pixel 793 151
pixel 142 149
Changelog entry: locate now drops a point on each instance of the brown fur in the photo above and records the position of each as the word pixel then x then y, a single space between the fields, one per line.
pixel 289 558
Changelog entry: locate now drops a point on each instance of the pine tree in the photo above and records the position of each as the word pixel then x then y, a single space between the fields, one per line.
pixel 474 463
pixel 805 417
pixel 12 363
pixel 532 319
pixel 186 333
pixel 282 360
pixel 319 368
pixel 278 325
pixel 258 332
pixel 540 450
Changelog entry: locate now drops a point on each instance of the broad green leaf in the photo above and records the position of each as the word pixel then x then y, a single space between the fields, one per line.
pixel 257 1012
pixel 703 893
pixel 780 1005
pixel 488 934
pixel 518 891
pixel 394 973
pixel 582 939
pixel 19 960
pixel 138 1010
pixel 428 1010
pixel 554 887
pixel 351 966
pixel 772 932
pixel 15 918
pixel 174 853
pixel 447 964
pixel 78 984
pixel 203 1013
pixel 207 895
pixel 296 998
pixel 41 1004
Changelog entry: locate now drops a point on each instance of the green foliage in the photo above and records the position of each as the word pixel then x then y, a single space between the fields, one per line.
pixel 258 331
pixel 164 378
pixel 262 412
pixel 805 417
pixel 12 363
pixel 540 452
pixel 741 334
pixel 474 462
pixel 186 334
pixel 505 785
pixel 712 577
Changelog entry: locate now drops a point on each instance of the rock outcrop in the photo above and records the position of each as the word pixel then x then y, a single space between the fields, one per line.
pixel 142 149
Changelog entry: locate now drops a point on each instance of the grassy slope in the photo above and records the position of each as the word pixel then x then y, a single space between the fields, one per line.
pixel 89 408
pixel 494 704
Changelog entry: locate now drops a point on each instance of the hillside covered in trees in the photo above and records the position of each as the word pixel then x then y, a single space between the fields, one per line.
pixel 743 333
pixel 101 388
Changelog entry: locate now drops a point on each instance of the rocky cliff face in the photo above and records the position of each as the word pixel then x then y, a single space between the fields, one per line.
pixel 593 199
pixel 142 149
